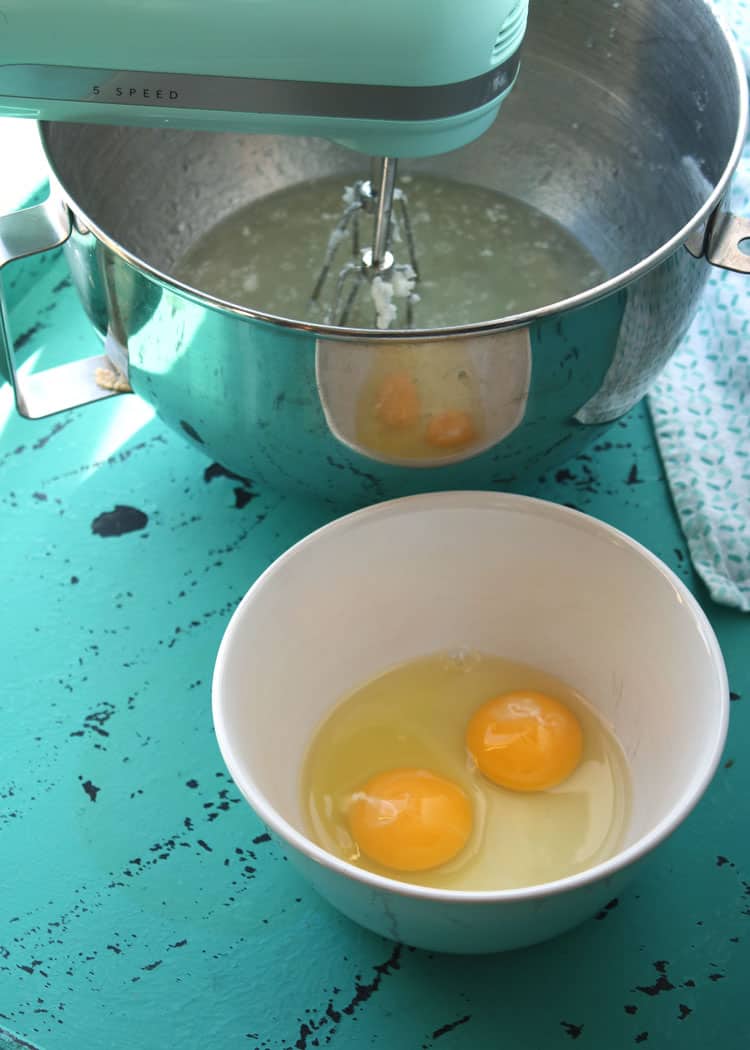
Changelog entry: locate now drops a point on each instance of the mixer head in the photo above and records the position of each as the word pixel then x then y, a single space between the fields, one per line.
pixel 396 78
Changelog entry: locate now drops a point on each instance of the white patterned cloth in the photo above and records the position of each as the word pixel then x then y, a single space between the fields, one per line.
pixel 700 407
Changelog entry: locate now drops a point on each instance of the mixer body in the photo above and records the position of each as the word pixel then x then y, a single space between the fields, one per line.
pixel 391 78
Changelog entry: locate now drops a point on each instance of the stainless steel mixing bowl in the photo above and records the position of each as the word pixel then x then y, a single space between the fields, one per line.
pixel 625 126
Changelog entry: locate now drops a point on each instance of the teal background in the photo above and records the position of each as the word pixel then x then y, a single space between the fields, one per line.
pixel 141 904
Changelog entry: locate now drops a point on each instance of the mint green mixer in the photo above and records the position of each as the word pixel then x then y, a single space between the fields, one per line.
pixel 393 79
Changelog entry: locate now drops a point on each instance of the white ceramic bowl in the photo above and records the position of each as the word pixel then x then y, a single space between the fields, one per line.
pixel 517 577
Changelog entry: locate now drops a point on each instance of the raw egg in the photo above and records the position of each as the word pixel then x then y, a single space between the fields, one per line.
pixel 451 429
pixel 398 400
pixel 410 819
pixel 419 401
pixel 389 786
pixel 525 741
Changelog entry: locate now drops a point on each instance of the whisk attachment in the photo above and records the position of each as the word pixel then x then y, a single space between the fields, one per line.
pixel 374 266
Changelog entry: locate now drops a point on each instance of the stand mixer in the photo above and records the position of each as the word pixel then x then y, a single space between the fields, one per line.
pixel 558 253
pixel 389 80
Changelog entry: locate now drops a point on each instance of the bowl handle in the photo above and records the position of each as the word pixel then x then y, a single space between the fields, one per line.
pixel 728 242
pixel 28 232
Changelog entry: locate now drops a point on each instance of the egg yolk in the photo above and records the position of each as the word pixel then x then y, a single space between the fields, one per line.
pixel 451 429
pixel 398 404
pixel 410 819
pixel 525 741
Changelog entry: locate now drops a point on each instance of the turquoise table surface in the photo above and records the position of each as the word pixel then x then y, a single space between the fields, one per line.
pixel 142 905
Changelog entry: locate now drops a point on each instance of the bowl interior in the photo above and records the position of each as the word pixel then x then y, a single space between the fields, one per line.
pixel 508 575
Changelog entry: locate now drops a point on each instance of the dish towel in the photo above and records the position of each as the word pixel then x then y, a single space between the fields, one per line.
pixel 700 408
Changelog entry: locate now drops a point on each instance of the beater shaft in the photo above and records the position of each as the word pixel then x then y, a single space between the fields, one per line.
pixel 386 183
